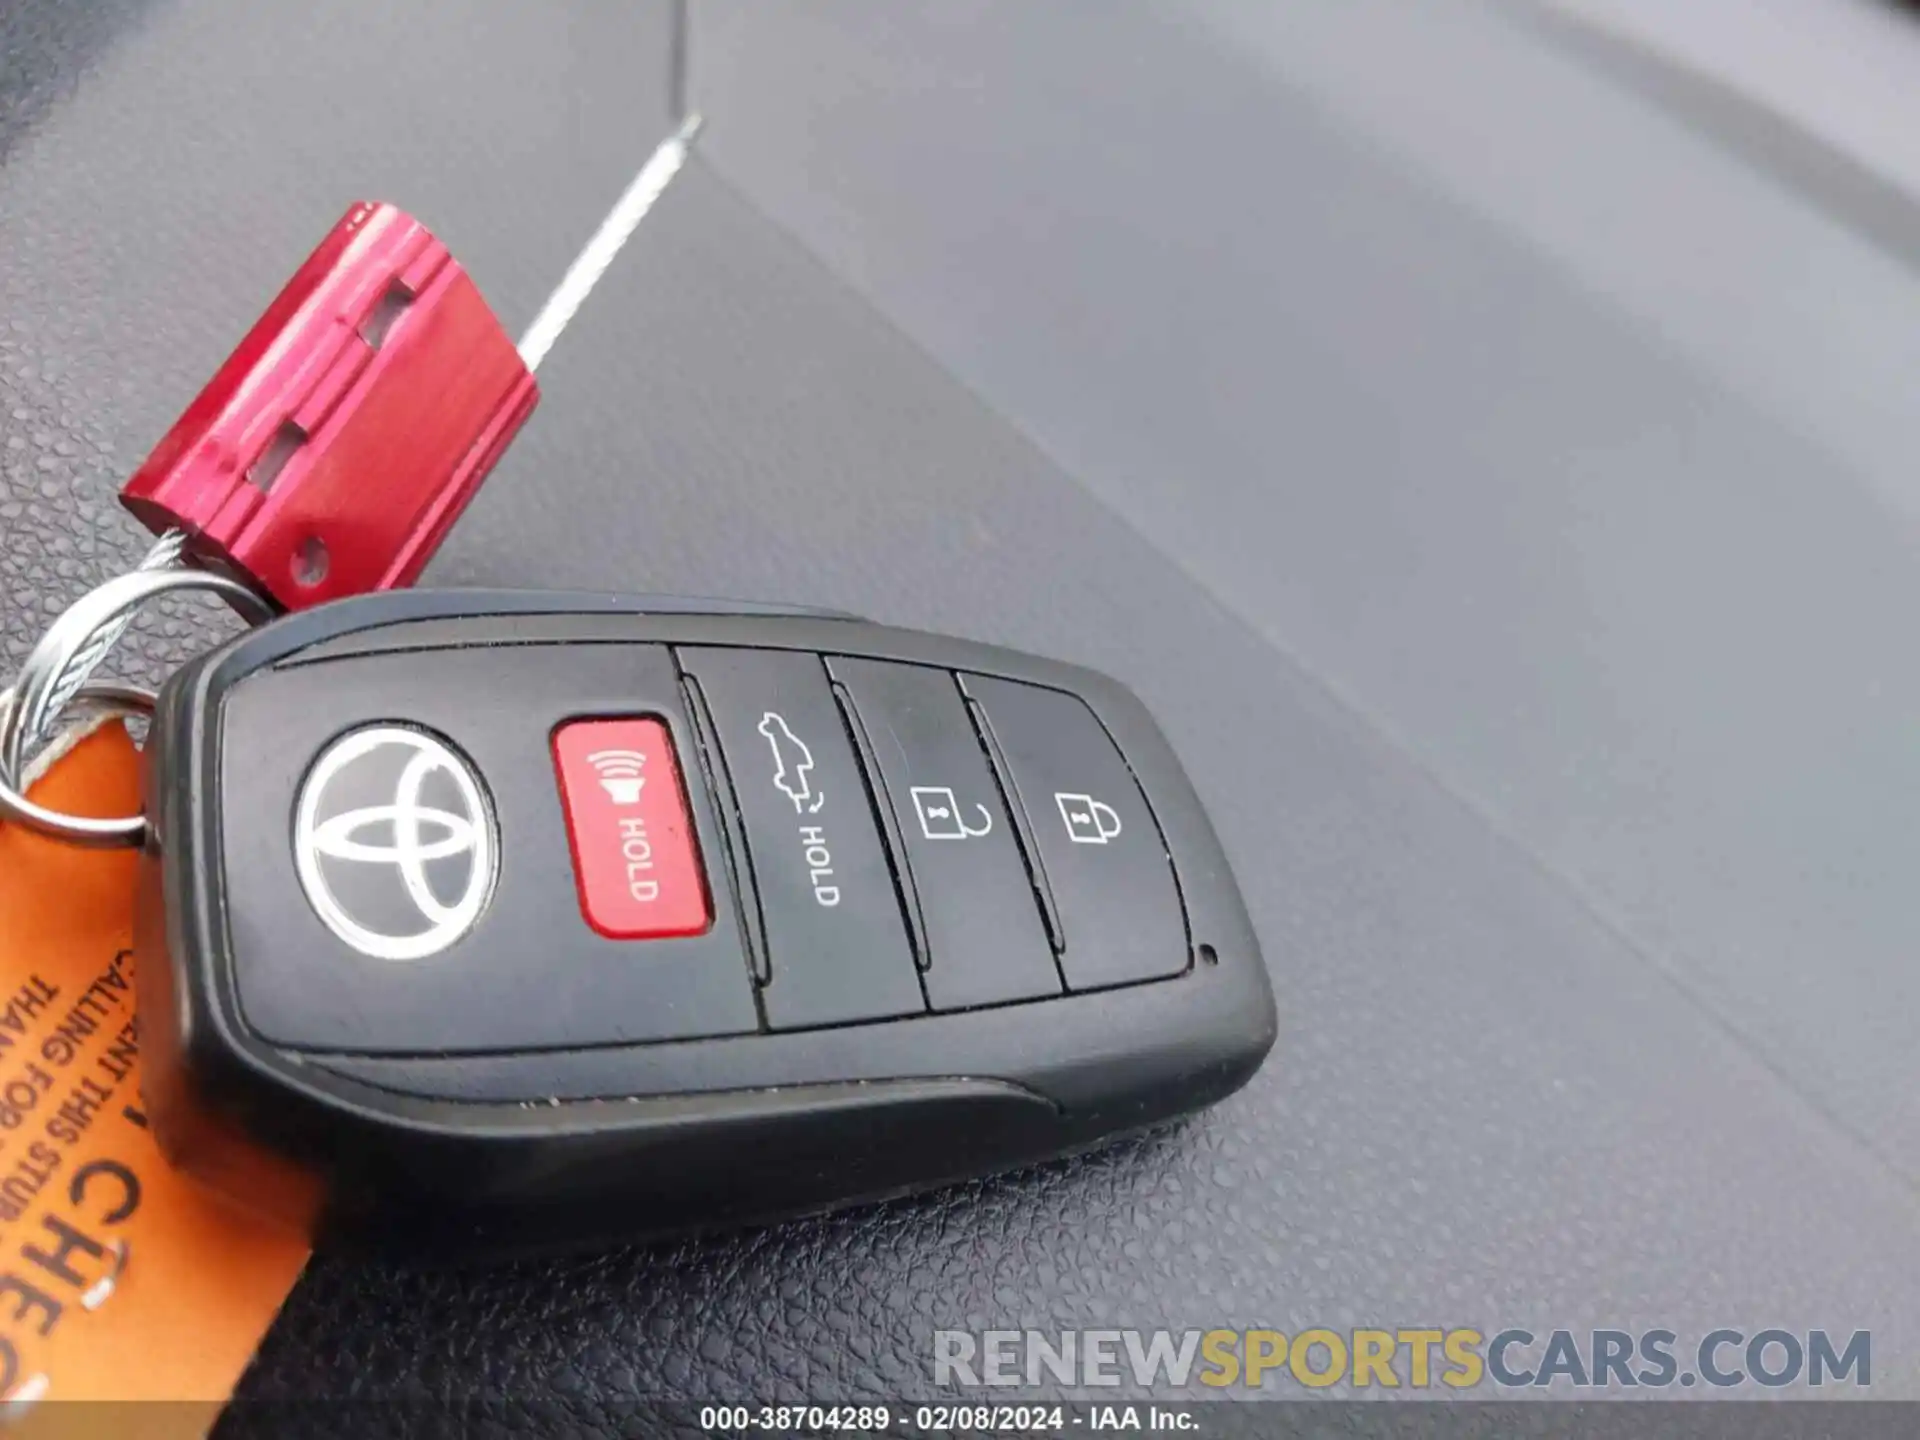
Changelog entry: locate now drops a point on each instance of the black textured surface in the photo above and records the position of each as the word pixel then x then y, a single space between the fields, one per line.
pixel 1522 566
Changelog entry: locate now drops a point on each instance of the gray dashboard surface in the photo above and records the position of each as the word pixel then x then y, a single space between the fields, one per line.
pixel 1495 475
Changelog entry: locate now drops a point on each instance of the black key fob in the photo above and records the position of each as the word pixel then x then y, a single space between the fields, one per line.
pixel 482 920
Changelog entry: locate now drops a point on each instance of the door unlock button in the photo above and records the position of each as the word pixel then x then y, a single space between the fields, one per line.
pixel 986 943
pixel 941 817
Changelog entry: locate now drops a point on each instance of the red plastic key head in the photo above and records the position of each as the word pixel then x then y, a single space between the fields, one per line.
pixel 331 452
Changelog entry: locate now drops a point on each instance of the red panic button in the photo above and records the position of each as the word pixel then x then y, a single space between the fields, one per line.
pixel 634 856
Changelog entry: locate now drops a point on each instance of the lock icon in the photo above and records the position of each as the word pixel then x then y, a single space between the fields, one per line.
pixel 1088 821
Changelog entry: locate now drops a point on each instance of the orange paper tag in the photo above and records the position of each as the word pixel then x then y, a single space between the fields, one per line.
pixel 119 1278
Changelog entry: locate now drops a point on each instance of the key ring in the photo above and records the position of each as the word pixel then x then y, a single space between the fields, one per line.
pixel 46 682
pixel 67 642
pixel 167 554
pixel 88 831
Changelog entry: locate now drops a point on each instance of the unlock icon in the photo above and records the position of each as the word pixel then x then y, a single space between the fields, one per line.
pixel 1088 821
pixel 940 817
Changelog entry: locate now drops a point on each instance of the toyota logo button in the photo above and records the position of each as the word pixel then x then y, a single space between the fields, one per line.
pixel 394 842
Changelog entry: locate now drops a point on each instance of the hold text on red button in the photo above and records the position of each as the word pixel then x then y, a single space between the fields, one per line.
pixel 634 855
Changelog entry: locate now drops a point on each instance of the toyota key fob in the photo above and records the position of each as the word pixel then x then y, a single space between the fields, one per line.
pixel 485 920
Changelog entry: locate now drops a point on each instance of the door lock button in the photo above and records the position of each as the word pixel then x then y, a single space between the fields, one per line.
pixel 1105 859
pixel 985 941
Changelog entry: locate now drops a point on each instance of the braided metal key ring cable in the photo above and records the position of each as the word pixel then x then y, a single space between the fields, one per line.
pixel 166 554
pixel 54 674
